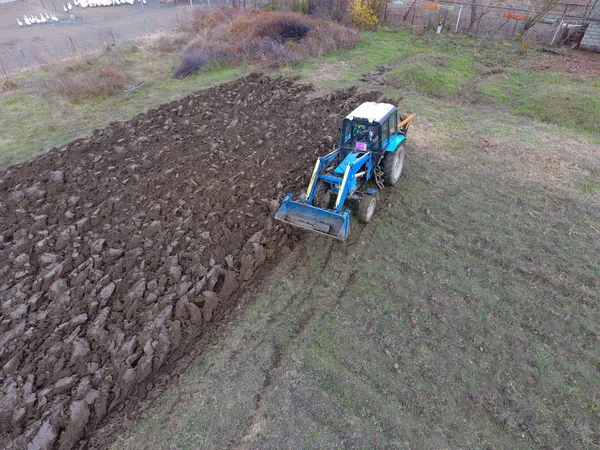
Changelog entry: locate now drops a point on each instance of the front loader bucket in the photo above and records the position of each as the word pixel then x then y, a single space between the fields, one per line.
pixel 312 218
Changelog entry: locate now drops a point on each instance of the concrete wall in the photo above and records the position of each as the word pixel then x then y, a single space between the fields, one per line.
pixel 591 40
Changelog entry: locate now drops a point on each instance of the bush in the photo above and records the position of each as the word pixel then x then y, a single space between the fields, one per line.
pixel 7 84
pixel 272 53
pixel 210 19
pixel 301 6
pixel 365 13
pixel 230 36
pixel 314 36
pixel 283 29
pixel 328 37
pixel 192 62
pixel 336 10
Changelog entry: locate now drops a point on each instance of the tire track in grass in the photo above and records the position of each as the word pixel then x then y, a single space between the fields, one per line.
pixel 258 421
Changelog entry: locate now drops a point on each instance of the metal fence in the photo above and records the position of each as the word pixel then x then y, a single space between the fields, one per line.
pixel 564 23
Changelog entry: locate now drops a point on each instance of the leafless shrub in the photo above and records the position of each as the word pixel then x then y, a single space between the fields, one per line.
pixel 332 9
pixel 192 62
pixel 273 53
pixel 207 19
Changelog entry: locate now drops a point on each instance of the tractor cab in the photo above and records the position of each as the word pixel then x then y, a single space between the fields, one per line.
pixel 368 129
pixel 359 135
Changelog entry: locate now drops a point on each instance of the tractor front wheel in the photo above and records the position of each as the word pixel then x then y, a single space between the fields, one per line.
pixel 322 198
pixel 392 166
pixel 366 208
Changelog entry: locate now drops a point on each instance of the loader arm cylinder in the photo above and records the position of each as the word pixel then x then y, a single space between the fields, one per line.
pixel 319 168
pixel 310 191
pixel 348 185
pixel 342 192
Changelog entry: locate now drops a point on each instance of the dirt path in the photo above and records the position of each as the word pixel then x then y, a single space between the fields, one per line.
pixel 92 29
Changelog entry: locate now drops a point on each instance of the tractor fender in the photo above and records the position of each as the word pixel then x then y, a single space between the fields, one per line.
pixel 395 142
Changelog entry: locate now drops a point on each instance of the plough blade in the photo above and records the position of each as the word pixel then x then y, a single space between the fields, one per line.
pixel 312 218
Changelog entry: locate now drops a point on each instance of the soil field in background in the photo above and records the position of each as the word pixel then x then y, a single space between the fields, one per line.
pixel 119 251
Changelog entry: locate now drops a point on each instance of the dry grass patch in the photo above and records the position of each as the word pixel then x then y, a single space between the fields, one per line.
pixel 7 83
pixel 166 42
pixel 99 81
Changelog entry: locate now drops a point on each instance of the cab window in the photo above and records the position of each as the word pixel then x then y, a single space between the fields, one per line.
pixel 385 131
pixel 394 123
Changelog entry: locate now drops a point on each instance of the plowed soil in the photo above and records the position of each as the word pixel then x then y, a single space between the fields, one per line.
pixel 118 252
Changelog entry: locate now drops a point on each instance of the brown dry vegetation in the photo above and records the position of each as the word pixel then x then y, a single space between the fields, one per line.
pixel 226 36
pixel 80 85
pixel 7 83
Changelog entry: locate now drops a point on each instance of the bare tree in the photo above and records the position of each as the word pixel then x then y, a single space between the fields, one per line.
pixel 473 6
pixel 479 9
pixel 539 8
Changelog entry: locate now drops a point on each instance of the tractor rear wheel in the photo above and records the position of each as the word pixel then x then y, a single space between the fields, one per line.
pixel 366 208
pixel 322 198
pixel 392 166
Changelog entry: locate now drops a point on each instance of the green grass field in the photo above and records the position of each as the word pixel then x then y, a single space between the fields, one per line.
pixel 464 316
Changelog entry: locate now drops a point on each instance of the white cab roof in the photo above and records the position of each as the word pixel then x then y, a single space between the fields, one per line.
pixel 371 111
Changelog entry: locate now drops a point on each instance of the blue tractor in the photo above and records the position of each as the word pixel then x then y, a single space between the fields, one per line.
pixel 370 147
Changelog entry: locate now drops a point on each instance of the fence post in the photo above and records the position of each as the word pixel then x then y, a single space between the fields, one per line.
pixel 458 20
pixel 557 30
pixel 559 26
